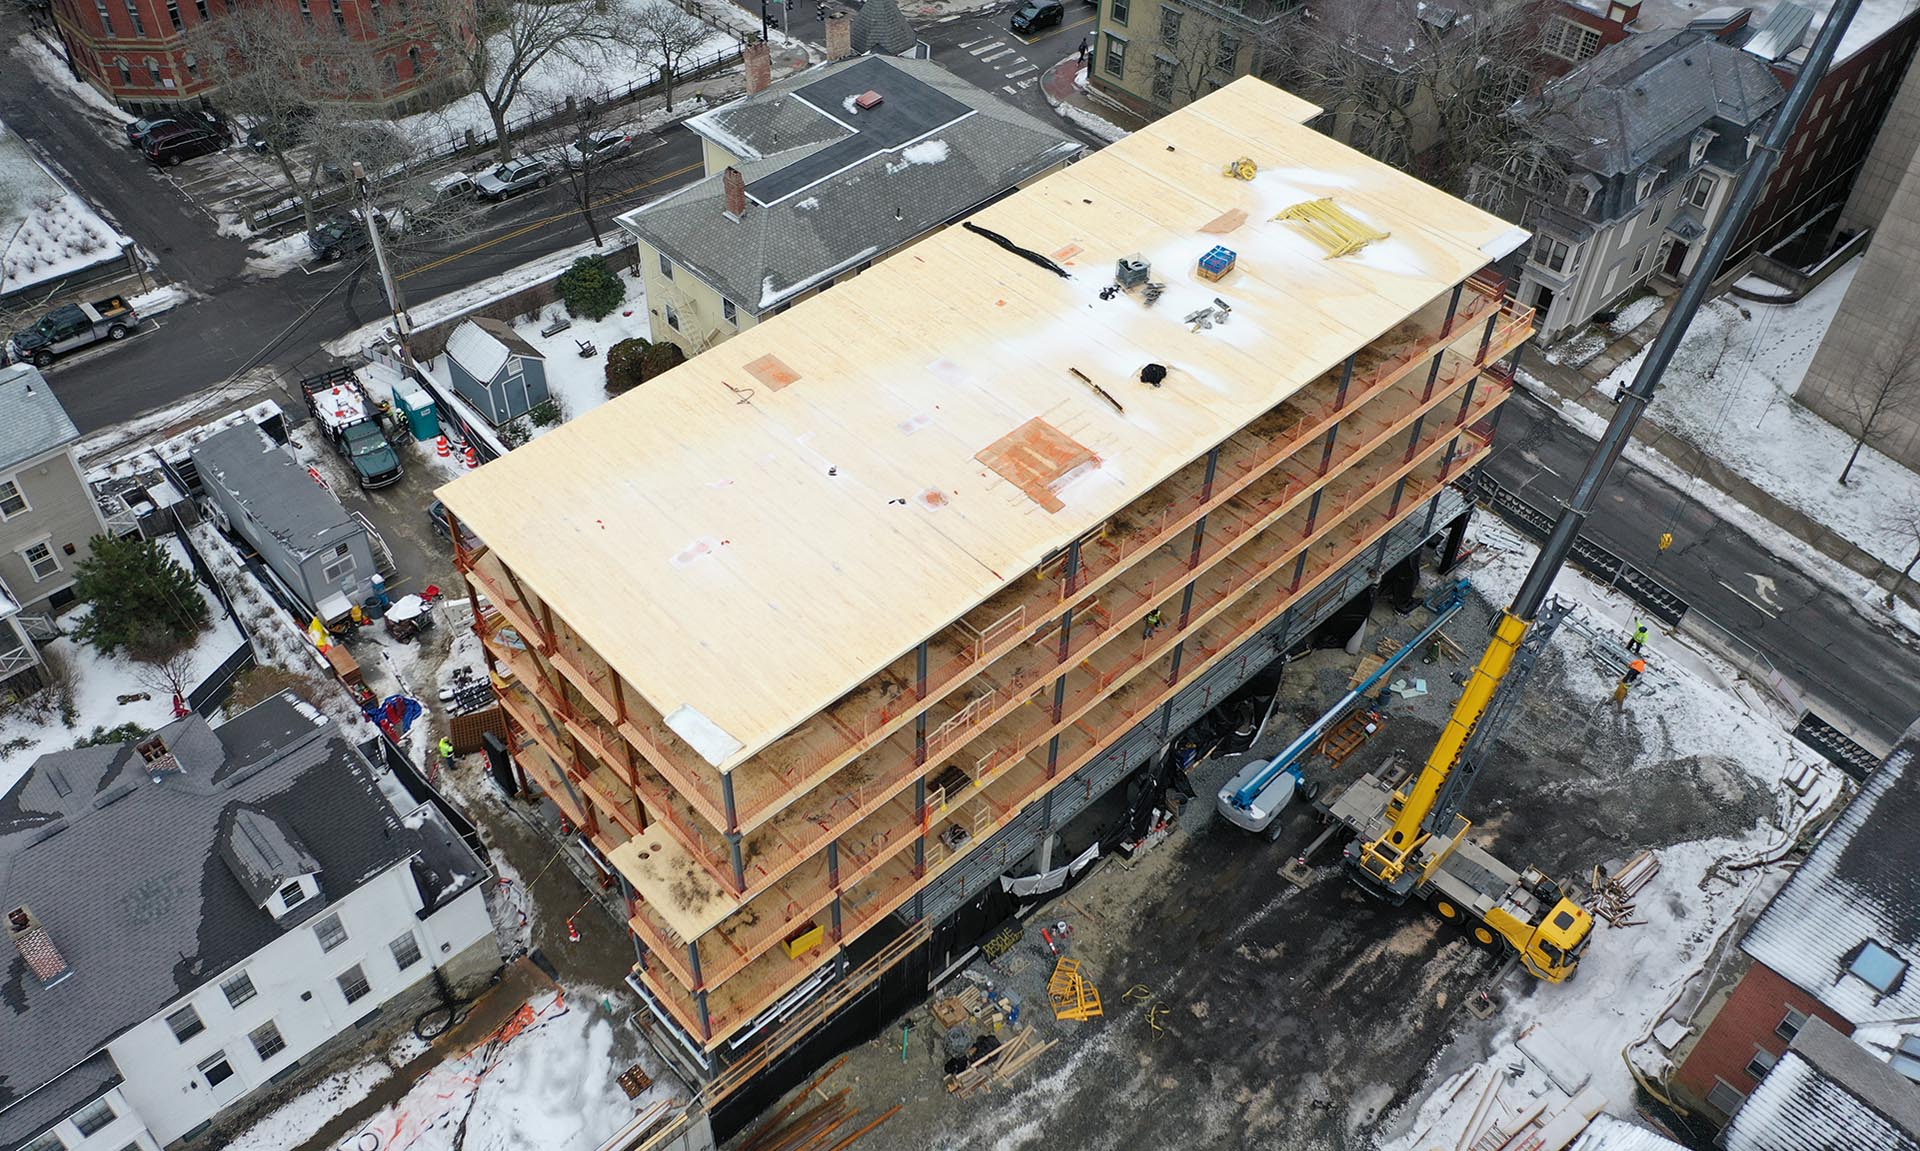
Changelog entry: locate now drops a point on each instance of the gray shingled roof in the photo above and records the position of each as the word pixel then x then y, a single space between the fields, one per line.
pixel 1636 100
pixel 858 213
pixel 1827 1093
pixel 262 852
pixel 31 419
pixel 267 480
pixel 1860 883
pixel 880 27
pixel 127 876
pixel 82 1084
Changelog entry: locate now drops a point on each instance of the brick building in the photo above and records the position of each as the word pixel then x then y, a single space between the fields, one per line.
pixel 1834 944
pixel 137 52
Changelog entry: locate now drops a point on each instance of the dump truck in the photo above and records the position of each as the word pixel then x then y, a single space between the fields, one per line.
pixel 71 327
pixel 352 424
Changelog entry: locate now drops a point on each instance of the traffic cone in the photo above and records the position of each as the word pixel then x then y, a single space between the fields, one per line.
pixel 473 457
pixel 442 448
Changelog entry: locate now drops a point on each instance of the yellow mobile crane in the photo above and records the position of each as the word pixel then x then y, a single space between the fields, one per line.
pixel 1412 841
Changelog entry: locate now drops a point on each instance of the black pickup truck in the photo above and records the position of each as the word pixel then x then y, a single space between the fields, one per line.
pixel 352 425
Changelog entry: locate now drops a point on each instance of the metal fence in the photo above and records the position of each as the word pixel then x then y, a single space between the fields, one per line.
pixel 1836 746
pixel 1598 561
pixel 214 690
pixel 380 749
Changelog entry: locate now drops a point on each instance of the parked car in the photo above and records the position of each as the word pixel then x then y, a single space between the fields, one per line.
pixel 72 327
pixel 437 516
pixel 286 134
pixel 137 129
pixel 343 234
pixel 179 142
pixel 1038 14
pixel 596 148
pixel 512 178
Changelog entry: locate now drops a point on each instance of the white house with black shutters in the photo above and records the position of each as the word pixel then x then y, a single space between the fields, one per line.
pixel 201 914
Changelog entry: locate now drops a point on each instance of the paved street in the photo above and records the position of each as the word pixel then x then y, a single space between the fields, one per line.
pixel 1850 667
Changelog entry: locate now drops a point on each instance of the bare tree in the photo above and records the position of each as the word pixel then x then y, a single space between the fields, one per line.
pixel 665 35
pixel 170 675
pixel 1884 389
pixel 307 93
pixel 1902 519
pixel 493 46
pixel 581 161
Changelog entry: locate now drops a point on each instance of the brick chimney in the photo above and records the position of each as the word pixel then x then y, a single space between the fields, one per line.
pixel 36 946
pixel 839 36
pixel 736 186
pixel 759 66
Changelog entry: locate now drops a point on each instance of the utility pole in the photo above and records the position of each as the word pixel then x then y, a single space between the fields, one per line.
pixel 369 215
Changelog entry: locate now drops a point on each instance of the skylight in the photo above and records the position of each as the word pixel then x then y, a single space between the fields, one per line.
pixel 1878 968
pixel 1906 1060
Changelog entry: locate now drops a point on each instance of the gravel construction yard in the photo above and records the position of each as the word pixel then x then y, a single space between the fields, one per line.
pixel 1242 1011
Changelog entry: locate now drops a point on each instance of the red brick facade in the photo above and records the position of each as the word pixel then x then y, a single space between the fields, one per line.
pixel 135 51
pixel 1746 1023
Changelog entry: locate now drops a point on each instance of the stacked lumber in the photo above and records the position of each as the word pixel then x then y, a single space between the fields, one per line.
pixel 814 1121
pixel 957 1010
pixel 999 1066
pixel 1613 895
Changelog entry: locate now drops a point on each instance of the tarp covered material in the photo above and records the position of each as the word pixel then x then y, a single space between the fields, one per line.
pixel 1030 885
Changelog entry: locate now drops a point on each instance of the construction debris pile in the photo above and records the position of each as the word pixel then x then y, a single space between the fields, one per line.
pixel 1612 898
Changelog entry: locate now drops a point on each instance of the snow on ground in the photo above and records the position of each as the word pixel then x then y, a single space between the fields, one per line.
pixel 443 308
pixel 98 682
pixel 1633 315
pixel 302 1117
pixel 1629 975
pixel 1105 129
pixel 600 72
pixel 160 301
pixel 1730 391
pixel 52 71
pixel 579 381
pixel 551 1085
pixel 46 231
pixel 278 257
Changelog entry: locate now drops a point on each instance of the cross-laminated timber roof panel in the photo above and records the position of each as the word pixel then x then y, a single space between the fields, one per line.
pixel 741 553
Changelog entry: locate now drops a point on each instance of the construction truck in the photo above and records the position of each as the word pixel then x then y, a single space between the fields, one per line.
pixel 1410 841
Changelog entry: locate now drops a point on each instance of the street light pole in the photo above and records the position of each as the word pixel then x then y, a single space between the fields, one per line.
pixel 402 325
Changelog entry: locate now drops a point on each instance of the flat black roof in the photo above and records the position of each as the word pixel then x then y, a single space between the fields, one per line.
pixel 909 109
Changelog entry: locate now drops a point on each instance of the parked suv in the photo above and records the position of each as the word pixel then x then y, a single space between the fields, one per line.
pixel 512 178
pixel 596 148
pixel 1038 14
pixel 179 142
pixel 343 234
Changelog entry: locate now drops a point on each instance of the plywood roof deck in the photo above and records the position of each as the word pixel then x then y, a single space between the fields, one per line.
pixel 740 553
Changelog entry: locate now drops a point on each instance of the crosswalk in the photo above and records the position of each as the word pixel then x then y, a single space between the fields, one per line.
pixel 1005 60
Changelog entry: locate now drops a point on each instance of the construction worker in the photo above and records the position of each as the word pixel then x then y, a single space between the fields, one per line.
pixel 446 753
pixel 1153 623
pixel 1640 634
pixel 1635 670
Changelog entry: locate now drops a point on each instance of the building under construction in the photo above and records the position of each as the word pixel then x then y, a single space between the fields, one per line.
pixel 816 636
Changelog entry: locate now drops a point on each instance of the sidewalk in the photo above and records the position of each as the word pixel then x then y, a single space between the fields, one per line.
pixel 1579 386
pixel 1064 86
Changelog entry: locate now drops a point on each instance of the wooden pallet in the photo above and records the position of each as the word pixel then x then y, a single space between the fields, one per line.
pixel 1348 735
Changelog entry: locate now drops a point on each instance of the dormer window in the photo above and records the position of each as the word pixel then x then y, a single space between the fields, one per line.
pixel 1645 186
pixel 1878 968
pixel 1698 150
pixel 291 896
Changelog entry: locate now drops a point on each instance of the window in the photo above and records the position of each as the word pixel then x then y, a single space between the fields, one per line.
pixel 1550 253
pixel 1226 55
pixel 392 68
pixel 106 17
pixel 1878 968
pixel 216 1069
pixel 1761 1063
pixel 413 58
pixel 1170 28
pixel 173 15
pixel 1725 1097
pixel 126 73
pixel 1570 41
pixel 133 14
pixel 1906 1059
pixel 92 1119
pixel 1654 218
pixel 673 318
pixel 353 984
pixel 153 71
pixel 47 1142
pixel 193 65
pixel 1790 1025
pixel 406 951
pixel 339 566
pixel 1116 55
pixel 13 501
pixel 339 18
pixel 185 1023
pixel 200 6
pixel 666 266
pixel 1163 79
pixel 730 313
pixel 238 989
pixel 330 933
pixel 1701 192
pixel 1639 260
pixel 306 11
pixel 1117 11
pixel 266 1040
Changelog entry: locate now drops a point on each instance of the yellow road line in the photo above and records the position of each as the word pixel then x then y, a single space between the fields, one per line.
pixel 536 225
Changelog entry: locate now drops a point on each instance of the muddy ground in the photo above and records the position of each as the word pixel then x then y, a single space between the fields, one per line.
pixel 1300 1017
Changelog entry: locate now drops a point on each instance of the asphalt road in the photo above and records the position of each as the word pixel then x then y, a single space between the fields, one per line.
pixel 1850 665
pixel 236 319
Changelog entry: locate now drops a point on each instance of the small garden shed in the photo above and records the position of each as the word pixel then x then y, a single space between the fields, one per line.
pixel 495 370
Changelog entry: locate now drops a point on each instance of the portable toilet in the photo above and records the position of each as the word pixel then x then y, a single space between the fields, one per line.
pixel 412 403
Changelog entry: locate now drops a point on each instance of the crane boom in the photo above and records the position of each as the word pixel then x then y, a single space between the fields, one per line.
pixel 1390 863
